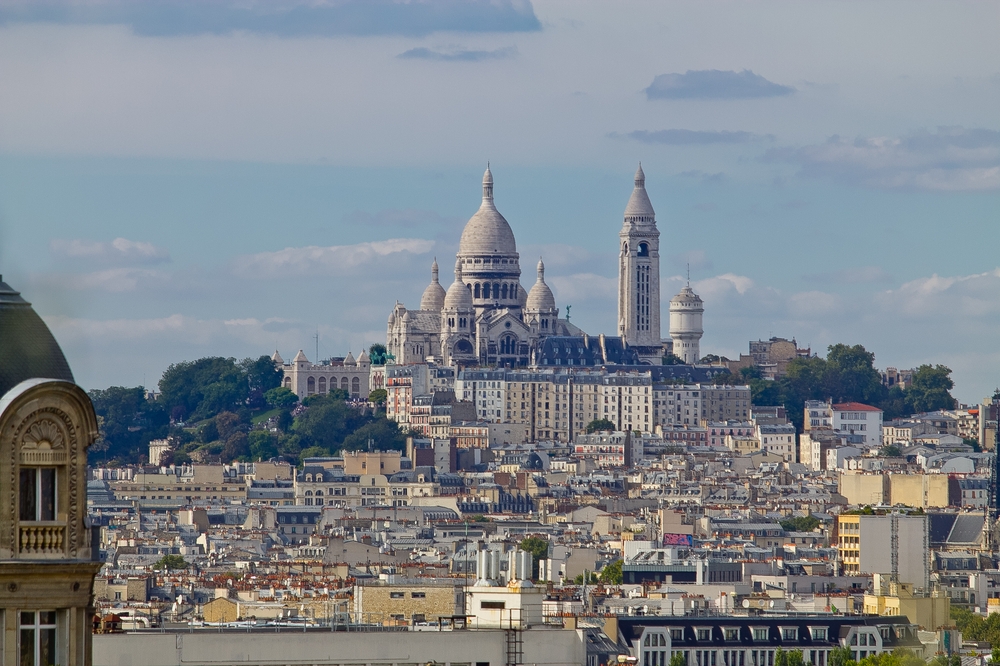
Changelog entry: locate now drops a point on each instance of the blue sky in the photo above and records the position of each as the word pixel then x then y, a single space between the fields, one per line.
pixel 185 179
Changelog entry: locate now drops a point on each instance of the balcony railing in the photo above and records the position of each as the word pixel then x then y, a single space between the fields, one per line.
pixel 42 539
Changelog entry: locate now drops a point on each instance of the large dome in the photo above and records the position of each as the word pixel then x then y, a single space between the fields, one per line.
pixel 27 348
pixel 487 232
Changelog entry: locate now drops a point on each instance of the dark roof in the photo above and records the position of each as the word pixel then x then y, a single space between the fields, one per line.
pixel 27 348
pixel 571 350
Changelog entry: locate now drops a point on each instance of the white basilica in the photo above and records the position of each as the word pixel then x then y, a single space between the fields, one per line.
pixel 487 318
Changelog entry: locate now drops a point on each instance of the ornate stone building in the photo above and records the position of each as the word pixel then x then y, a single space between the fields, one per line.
pixel 485 317
pixel 47 565
pixel 304 378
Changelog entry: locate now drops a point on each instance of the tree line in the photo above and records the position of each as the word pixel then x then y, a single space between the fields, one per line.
pixel 847 374
pixel 233 410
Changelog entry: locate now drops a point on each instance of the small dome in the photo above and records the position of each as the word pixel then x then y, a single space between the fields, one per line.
pixel 27 348
pixel 276 358
pixel 458 296
pixel 364 359
pixel 639 208
pixel 487 232
pixel 540 297
pixel 349 359
pixel 300 358
pixel 686 296
pixel 433 298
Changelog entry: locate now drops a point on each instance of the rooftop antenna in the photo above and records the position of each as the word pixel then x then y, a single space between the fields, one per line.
pixel 317 344
pixel 689 273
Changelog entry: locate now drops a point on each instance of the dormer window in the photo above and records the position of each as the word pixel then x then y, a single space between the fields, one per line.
pixel 789 633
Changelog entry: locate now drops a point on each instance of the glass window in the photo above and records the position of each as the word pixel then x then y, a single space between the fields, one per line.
pixel 38 493
pixel 37 638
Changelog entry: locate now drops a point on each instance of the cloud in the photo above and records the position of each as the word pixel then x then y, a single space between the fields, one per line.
pixel 289 18
pixel 335 260
pixel 714 84
pixel 811 304
pixel 118 251
pixel 857 275
pixel 685 137
pixel 459 55
pixel 949 159
pixel 964 296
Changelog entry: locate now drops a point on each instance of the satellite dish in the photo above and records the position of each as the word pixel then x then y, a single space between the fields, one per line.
pixel 746 603
pixel 770 604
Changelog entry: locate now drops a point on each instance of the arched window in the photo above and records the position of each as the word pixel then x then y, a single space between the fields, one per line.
pixel 461 322
pixel 322 384
pixel 475 292
pixel 508 344
pixel 486 290
pixel 504 292
pixel 311 385
pixel 463 347
pixel 343 383
pixel 309 493
pixel 643 249
pixel 288 382
pixel 545 323
pixel 319 493
pixel 496 290
pixel 355 386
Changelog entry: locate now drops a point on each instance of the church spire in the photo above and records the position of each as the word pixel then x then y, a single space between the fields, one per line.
pixel 434 270
pixel 541 270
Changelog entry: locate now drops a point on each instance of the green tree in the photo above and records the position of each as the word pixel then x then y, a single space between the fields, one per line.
pixel 890 451
pixel 851 375
pixel 598 425
pixel 930 389
pixel 995 655
pixel 281 398
pixel 794 658
pixel 170 562
pixel 539 549
pixel 378 396
pixel 670 359
pixel 780 658
pixel 800 523
pixel 262 375
pixel 840 656
pixel 263 445
pixel 128 421
pixel 383 434
pixel 678 659
pixel 195 390
pixel 612 573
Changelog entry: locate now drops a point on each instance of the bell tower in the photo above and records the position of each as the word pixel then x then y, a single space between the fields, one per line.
pixel 639 276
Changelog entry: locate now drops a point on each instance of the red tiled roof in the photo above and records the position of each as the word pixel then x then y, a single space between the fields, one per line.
pixel 855 407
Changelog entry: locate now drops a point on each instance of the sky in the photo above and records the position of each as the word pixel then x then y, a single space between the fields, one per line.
pixel 183 179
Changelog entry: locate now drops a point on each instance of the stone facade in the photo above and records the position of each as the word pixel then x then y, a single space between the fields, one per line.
pixel 47 566
pixel 304 378
pixel 485 317
pixel 639 276
pixel 407 603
